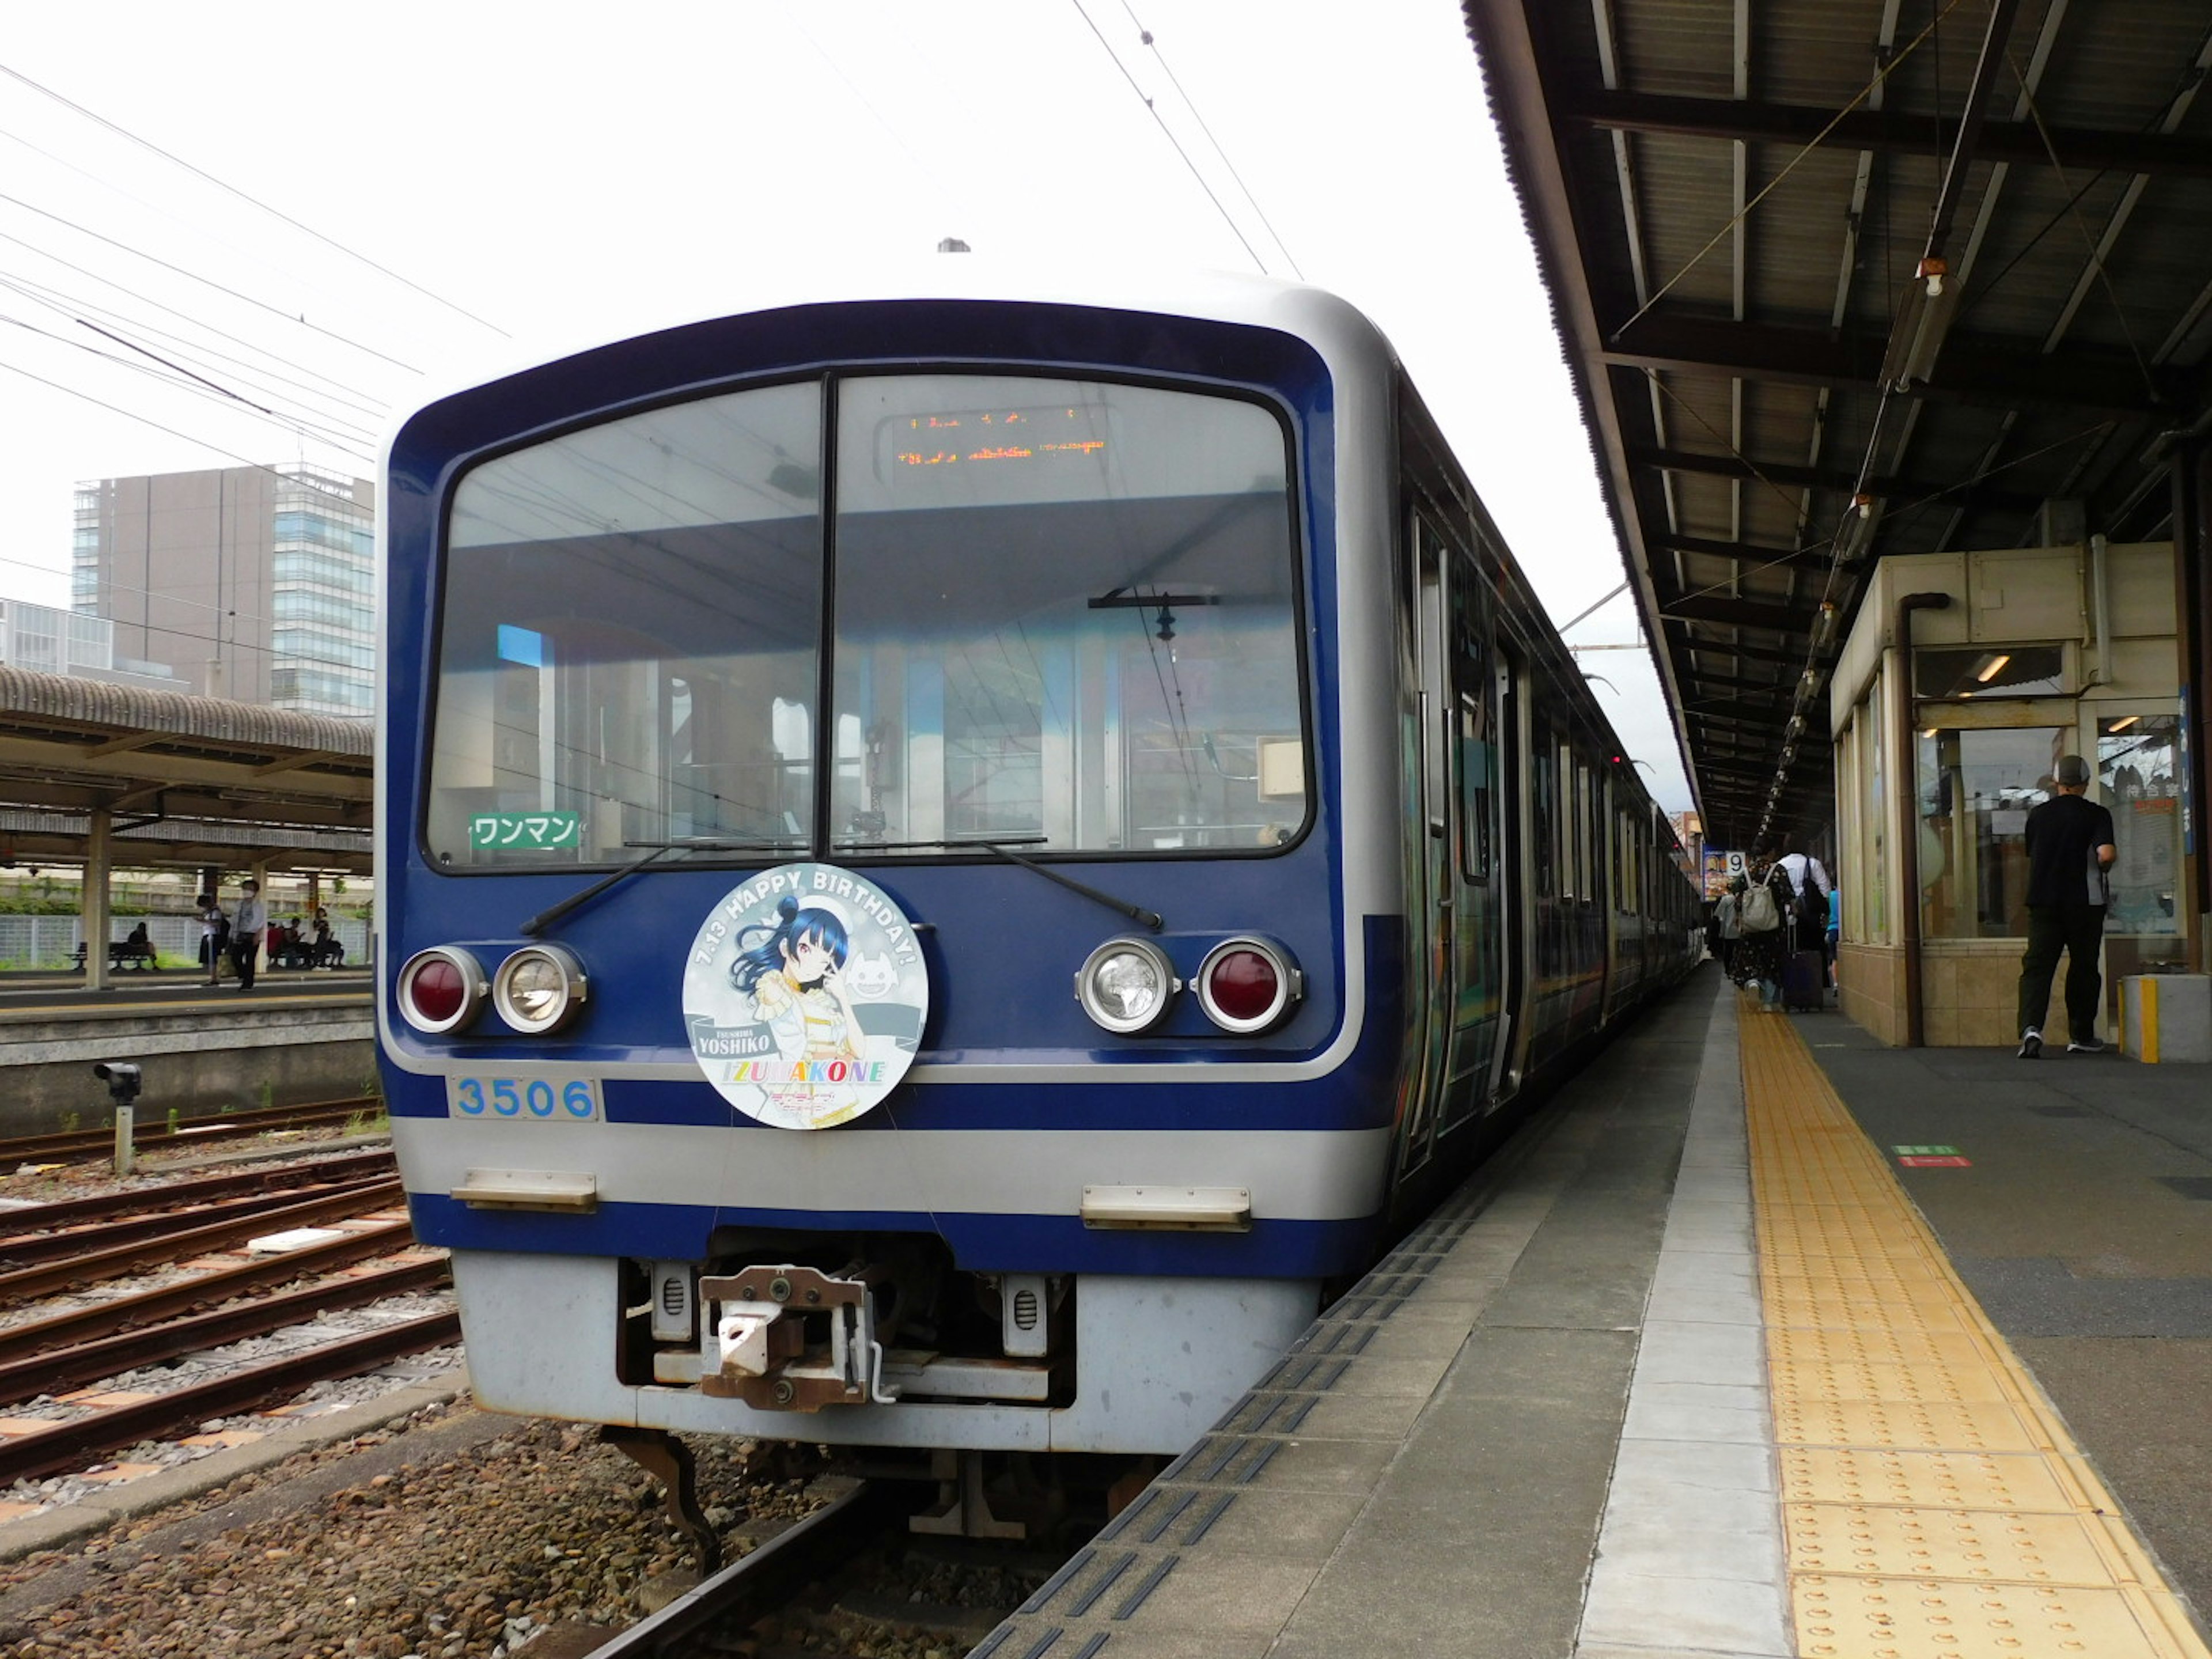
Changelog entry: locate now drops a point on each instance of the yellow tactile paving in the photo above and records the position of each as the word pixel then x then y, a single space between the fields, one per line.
pixel 1934 1502
pixel 1860 1474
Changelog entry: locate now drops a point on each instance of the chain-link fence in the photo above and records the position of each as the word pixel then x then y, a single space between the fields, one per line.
pixel 30 943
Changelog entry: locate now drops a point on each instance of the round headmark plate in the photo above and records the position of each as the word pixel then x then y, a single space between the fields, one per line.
pixel 805 996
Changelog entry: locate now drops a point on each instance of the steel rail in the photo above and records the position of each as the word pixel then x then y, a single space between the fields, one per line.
pixel 202 1290
pixel 53 1369
pixel 178 1247
pixel 176 1195
pixel 159 1136
pixel 25 1250
pixel 778 1569
pixel 62 1447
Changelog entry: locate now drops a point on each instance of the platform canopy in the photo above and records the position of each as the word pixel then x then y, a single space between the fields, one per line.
pixel 1840 279
pixel 184 781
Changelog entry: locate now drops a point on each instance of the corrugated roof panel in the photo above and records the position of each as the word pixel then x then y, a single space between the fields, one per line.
pixel 2047 370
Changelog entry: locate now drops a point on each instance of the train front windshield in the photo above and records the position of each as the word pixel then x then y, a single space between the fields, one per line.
pixel 1062 615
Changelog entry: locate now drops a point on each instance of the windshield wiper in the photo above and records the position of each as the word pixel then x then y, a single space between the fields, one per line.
pixel 1148 919
pixel 552 914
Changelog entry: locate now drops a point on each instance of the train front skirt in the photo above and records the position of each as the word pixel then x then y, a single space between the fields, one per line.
pixel 1156 1361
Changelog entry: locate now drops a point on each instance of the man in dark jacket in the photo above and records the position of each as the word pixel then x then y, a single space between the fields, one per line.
pixel 2070 847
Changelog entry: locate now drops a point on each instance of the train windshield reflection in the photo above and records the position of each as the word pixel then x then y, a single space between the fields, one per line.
pixel 1065 612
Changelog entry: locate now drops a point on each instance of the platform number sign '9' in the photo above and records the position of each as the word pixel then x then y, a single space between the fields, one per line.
pixel 805 996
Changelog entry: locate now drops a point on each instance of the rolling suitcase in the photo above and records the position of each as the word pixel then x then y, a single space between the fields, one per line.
pixel 1804 981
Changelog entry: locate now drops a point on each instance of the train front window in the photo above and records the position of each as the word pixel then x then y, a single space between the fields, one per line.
pixel 1064 618
pixel 629 641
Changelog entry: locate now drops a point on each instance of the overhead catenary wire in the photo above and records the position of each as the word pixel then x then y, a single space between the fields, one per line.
pixel 1218 207
pixel 76 308
pixel 209 282
pixel 1191 104
pixel 131 415
pixel 195 386
pixel 231 189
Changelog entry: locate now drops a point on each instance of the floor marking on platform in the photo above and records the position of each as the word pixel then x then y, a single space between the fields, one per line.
pixel 1933 1499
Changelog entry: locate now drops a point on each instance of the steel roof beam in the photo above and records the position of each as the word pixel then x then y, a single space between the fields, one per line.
pixel 1782 472
pixel 1986 375
pixel 1793 660
pixel 1781 617
pixel 2085 149
pixel 1801 558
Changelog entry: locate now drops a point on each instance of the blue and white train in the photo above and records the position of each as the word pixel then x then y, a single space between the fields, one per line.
pixel 948 864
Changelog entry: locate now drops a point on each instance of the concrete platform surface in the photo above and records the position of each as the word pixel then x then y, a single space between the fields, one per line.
pixel 1687 1373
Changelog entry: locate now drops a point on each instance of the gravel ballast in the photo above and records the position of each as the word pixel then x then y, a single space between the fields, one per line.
pixel 455 1535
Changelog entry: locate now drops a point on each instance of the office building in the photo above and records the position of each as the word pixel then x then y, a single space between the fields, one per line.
pixel 254 583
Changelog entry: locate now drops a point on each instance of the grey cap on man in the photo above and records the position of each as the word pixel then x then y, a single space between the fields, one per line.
pixel 2072 772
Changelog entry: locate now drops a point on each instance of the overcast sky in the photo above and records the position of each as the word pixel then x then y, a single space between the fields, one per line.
pixel 436 188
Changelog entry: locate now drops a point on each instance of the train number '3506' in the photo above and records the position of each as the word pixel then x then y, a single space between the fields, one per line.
pixel 538 1099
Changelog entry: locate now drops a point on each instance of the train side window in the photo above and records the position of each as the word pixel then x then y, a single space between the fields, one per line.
pixel 1544 823
pixel 1571 884
pixel 1472 722
pixel 1593 871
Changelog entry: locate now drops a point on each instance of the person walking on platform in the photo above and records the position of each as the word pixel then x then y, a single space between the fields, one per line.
pixel 1727 913
pixel 1763 915
pixel 1810 909
pixel 2069 848
pixel 245 933
pixel 215 929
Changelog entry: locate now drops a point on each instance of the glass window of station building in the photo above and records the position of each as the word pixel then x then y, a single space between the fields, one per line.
pixel 1949 722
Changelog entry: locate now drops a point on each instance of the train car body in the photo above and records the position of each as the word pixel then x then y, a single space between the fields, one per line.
pixel 949 864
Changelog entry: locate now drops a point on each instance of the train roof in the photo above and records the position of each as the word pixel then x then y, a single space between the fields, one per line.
pixel 1333 324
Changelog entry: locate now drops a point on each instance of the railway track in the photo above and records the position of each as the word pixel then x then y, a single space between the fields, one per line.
pixel 78 1145
pixel 842 1581
pixel 46 1232
pixel 182 1326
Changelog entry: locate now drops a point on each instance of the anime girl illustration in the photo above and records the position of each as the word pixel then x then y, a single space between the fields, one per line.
pixel 795 976
pixel 804 995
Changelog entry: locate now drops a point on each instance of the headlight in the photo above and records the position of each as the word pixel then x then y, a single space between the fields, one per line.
pixel 539 989
pixel 440 989
pixel 1247 986
pixel 1126 985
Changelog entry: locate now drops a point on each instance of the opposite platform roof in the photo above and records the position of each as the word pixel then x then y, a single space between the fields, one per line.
pixel 1738 209
pixel 185 781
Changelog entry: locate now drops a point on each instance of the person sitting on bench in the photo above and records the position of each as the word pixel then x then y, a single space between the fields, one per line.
pixel 136 951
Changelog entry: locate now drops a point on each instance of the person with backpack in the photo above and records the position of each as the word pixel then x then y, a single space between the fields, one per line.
pixel 1808 889
pixel 1762 916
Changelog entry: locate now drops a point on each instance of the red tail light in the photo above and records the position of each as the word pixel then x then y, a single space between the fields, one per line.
pixel 440 989
pixel 1247 985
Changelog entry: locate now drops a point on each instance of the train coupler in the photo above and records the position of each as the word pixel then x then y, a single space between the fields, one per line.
pixel 793 1339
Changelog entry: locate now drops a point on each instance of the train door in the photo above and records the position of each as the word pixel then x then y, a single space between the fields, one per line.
pixel 1478 946
pixel 1430 897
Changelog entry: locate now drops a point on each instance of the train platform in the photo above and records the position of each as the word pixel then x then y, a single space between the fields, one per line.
pixel 299 1035
pixel 1760 1340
